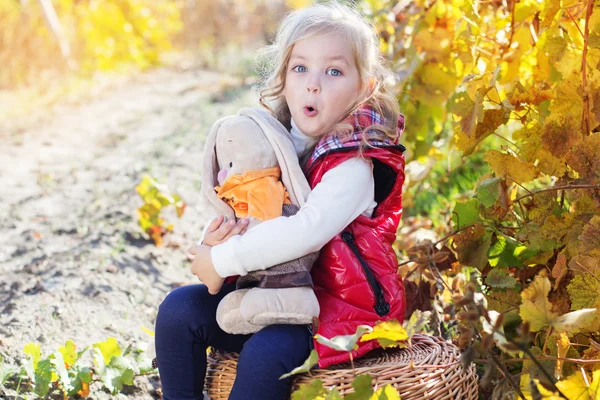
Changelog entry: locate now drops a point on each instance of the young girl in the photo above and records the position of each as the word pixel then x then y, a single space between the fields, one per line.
pixel 329 86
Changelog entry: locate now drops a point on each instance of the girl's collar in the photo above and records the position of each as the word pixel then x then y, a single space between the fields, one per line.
pixel 302 143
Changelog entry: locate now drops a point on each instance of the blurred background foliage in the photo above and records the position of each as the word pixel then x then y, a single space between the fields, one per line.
pixel 502 103
pixel 101 35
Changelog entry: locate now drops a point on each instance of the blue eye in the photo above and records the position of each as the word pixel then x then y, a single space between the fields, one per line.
pixel 337 72
pixel 297 67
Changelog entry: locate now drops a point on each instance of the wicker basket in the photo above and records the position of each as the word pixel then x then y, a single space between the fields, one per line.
pixel 430 369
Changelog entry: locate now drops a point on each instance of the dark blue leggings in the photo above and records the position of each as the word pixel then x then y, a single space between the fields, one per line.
pixel 186 325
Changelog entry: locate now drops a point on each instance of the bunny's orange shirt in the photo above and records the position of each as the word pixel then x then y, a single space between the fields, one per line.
pixel 255 193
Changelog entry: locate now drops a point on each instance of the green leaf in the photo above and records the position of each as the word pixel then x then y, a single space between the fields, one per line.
pixel 310 391
pixel 465 212
pixel 498 278
pixel 488 191
pixel 460 104
pixel 116 374
pixel 504 252
pixel 334 394
pixel 43 377
pixel 344 342
pixel 362 388
pixel 310 362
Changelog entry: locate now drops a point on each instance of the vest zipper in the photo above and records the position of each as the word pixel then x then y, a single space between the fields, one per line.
pixel 382 307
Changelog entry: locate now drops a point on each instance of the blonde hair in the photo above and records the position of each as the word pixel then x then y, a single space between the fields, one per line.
pixel 376 79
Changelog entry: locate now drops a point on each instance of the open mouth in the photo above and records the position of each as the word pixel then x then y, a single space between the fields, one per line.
pixel 310 111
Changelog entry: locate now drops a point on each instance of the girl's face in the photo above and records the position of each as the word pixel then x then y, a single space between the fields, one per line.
pixel 322 82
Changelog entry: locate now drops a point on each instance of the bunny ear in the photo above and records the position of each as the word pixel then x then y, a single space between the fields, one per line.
pixel 291 173
pixel 214 205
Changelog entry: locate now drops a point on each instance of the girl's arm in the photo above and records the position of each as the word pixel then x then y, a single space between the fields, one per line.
pixel 344 193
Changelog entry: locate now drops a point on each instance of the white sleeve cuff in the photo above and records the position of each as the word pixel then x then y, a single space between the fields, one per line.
pixel 224 258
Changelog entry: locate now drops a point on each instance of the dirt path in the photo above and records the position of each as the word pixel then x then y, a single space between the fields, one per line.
pixel 72 262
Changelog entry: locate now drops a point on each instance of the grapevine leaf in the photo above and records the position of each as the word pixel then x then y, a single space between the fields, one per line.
pixel 508 165
pixel 535 307
pixel 537 310
pixel 589 240
pixel 466 212
pixel 574 387
pixel 388 392
pixel 498 278
pixel 471 246
pixel 505 252
pixel 389 333
pixel 488 191
pixel 334 394
pixel 311 361
pixel 559 136
pixel 362 388
pixel 555 47
pixel 594 389
pixel 344 342
pixel 584 292
pixel 313 390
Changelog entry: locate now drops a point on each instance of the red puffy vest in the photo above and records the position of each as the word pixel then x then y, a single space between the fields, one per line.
pixel 355 277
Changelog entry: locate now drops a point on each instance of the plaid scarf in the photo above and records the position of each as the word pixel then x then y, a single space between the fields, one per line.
pixel 360 119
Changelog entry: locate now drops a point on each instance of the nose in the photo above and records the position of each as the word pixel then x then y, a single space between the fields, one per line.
pixel 313 85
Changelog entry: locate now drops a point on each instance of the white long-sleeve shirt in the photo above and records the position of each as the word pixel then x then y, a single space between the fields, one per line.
pixel 344 193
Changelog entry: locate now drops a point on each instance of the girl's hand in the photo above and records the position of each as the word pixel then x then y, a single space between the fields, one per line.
pixel 204 269
pixel 218 232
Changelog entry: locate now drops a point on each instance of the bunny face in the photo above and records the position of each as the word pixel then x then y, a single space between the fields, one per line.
pixel 241 145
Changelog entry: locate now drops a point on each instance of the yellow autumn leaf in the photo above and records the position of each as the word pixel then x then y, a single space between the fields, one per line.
pixel 594 388
pixel 574 387
pixel 535 308
pixel 584 292
pixel 526 384
pixel 508 165
pixel 390 330
pixel 387 392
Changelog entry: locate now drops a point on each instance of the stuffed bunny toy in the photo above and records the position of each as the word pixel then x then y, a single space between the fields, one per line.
pixel 250 170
